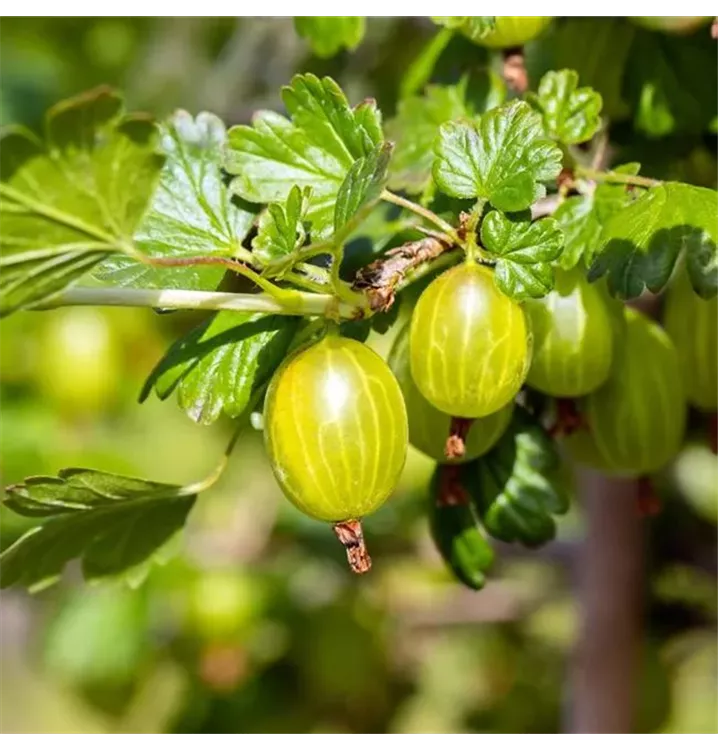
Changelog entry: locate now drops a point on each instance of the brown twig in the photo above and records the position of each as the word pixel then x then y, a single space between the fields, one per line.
pixel 456 442
pixel 351 535
pixel 380 279
pixel 451 491
pixel 514 70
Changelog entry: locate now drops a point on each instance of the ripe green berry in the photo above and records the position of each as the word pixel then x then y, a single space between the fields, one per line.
pixel 573 338
pixel 470 346
pixel 692 323
pixel 637 418
pixel 429 427
pixel 336 429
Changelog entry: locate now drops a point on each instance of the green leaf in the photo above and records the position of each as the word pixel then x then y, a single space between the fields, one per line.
pixel 516 487
pixel 111 522
pixel 503 158
pixel 582 217
pixel 220 366
pixel 475 28
pixel 414 131
pixel 361 189
pixel 523 250
pixel 327 35
pixel 281 228
pixel 316 149
pixel 673 81
pixel 67 202
pixel 192 211
pixel 570 114
pixel 641 243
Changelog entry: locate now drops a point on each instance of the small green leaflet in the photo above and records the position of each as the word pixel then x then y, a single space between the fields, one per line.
pixel 327 35
pixel 581 217
pixel 416 125
pixel 361 189
pixel 192 211
pixel 68 202
pixel 281 228
pixel 641 243
pixel 597 49
pixel 220 366
pixel 475 28
pixel 113 523
pixel 524 251
pixel 504 157
pixel 316 149
pixel 516 487
pixel 570 114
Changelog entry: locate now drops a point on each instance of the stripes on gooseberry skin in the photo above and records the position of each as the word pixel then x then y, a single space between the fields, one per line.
pixel 574 338
pixel 465 341
pixel 318 452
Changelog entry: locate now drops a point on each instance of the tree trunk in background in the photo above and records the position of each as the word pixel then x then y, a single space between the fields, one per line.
pixel 602 685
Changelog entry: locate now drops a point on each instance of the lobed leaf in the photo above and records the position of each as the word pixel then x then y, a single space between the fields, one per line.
pixel 69 201
pixel 112 523
pixel 416 125
pixel 327 35
pixel 315 149
pixel 503 157
pixel 220 366
pixel 361 189
pixel 192 212
pixel 524 251
pixel 570 114
pixel 641 243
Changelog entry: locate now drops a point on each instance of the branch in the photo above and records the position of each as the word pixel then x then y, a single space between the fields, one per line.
pixel 381 279
pixel 293 303
pixel 624 179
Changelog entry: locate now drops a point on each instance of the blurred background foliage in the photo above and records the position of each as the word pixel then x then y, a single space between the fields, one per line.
pixel 256 624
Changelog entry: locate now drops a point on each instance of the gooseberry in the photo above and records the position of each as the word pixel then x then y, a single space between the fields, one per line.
pixel 429 427
pixel 336 429
pixel 470 345
pixel 637 417
pixel 692 323
pixel 573 338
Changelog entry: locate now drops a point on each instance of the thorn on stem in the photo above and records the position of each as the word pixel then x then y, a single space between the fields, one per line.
pixel 351 535
pixel 456 442
pixel 649 504
pixel 514 70
pixel 451 491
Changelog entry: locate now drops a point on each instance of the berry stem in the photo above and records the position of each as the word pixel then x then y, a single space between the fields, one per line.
pixel 351 535
pixel 456 442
